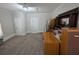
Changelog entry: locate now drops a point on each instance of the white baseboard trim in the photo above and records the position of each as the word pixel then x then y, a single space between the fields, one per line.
pixel 8 37
pixel 34 32
pixel 22 34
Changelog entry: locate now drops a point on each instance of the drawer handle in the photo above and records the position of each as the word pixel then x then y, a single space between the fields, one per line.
pixel 76 35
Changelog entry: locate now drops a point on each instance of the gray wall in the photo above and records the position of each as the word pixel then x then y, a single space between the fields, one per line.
pixel 6 20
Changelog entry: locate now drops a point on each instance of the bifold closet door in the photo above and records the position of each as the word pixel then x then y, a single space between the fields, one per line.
pixel 32 22
pixel 20 23
pixel 36 22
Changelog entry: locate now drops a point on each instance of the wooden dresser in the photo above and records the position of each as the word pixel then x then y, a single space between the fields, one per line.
pixel 51 45
pixel 69 41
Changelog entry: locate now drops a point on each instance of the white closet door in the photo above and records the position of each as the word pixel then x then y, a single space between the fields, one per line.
pixel 34 23
pixel 20 23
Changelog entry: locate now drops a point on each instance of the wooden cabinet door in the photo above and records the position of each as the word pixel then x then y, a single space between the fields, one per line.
pixel 69 42
pixel 73 43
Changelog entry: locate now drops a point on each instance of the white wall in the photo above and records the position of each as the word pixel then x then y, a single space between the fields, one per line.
pixel 30 22
pixel 63 8
pixel 19 19
pixel 6 20
pixel 36 22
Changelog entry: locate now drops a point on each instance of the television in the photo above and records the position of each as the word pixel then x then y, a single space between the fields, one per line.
pixel 65 22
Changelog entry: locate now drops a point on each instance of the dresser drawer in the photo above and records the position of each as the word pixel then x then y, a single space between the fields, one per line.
pixel 73 43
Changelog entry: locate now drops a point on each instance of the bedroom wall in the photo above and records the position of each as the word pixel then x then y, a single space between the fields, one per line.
pixel 63 8
pixel 6 20
pixel 30 22
pixel 36 22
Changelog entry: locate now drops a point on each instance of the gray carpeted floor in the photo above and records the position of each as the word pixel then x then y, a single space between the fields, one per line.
pixel 31 44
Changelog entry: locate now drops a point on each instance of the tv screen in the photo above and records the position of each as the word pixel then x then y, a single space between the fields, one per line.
pixel 65 22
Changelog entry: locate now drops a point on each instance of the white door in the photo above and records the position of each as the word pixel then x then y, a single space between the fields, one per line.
pixel 20 23
pixel 34 24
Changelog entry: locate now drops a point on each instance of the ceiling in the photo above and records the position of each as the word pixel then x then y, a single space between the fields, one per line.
pixel 42 7
pixel 40 4
pixel 33 7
